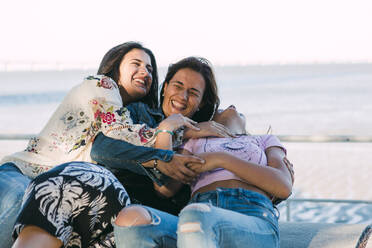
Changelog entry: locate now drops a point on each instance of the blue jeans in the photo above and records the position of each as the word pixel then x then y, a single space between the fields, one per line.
pixel 160 233
pixel 221 218
pixel 13 185
pixel 228 218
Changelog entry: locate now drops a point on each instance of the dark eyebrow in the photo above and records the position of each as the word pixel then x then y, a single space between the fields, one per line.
pixel 194 89
pixel 140 61
pixel 177 82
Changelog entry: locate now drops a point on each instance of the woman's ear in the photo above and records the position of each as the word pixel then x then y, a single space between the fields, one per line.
pixel 165 87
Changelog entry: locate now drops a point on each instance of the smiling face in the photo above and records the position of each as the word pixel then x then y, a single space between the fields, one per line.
pixel 135 75
pixel 183 93
pixel 232 119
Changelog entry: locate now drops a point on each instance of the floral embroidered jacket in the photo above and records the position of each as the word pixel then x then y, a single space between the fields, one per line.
pixel 92 107
pixel 123 158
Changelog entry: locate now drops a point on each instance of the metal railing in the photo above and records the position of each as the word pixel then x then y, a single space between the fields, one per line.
pixel 325 138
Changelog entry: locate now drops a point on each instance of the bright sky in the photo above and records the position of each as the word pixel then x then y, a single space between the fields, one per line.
pixel 226 32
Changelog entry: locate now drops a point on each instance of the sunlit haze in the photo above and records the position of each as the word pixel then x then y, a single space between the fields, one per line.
pixel 78 33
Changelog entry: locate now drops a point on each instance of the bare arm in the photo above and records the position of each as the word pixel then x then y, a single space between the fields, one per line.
pixel 177 166
pixel 171 188
pixel 274 179
pixel 208 129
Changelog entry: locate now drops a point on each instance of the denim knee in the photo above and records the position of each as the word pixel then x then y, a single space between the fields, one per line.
pixel 161 232
pixel 13 185
pixel 194 211
pixel 194 229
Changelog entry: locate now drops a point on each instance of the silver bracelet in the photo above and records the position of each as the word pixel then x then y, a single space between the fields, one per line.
pixel 155 164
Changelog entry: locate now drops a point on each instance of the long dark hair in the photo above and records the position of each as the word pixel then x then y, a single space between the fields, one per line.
pixel 110 65
pixel 210 100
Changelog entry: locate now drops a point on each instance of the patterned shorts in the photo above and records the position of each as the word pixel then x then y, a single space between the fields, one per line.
pixel 75 202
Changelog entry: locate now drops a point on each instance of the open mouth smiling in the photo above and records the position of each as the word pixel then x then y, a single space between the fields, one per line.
pixel 140 82
pixel 178 106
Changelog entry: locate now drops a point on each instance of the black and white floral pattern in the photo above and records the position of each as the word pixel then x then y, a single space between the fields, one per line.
pixel 71 203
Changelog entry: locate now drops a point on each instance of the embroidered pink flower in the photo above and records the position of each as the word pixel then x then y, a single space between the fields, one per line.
pixel 108 118
pixel 97 114
pixel 94 102
pixel 145 134
pixel 105 83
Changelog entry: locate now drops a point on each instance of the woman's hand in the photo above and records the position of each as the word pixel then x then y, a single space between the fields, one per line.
pixel 208 129
pixel 177 167
pixel 213 160
pixel 175 121
pixel 289 166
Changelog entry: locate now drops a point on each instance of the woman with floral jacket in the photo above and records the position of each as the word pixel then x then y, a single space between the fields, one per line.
pixel 96 106
pixel 74 204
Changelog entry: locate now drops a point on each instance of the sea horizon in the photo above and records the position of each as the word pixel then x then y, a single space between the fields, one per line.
pixel 302 99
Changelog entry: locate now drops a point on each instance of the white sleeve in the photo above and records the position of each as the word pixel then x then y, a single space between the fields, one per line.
pixel 110 117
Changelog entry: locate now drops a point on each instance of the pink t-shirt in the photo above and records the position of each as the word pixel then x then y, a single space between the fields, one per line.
pixel 247 147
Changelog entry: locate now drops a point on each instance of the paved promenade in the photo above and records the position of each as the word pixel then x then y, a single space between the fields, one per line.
pixel 335 171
